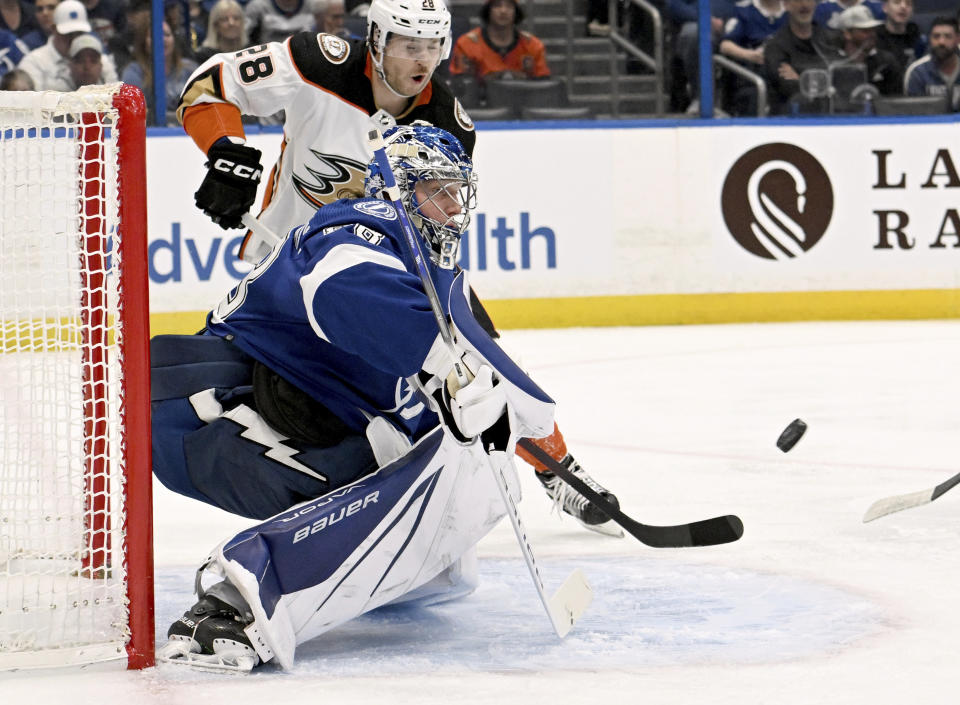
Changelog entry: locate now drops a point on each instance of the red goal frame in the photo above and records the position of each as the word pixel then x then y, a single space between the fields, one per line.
pixel 135 351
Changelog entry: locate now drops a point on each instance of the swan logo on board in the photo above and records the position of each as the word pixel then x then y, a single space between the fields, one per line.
pixel 777 201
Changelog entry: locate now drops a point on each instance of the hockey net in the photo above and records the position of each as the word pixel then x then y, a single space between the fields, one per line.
pixel 75 507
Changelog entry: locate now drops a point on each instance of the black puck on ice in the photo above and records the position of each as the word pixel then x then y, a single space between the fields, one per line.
pixel 791 434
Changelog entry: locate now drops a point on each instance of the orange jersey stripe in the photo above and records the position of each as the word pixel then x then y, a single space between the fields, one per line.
pixel 208 122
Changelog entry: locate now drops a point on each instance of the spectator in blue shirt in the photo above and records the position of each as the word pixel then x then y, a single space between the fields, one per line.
pixel 745 35
pixel 19 17
pixel 938 73
pixel 12 49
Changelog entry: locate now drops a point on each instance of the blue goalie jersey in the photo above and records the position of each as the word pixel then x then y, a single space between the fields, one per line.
pixel 338 310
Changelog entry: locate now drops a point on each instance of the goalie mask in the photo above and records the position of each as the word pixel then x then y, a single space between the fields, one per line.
pixel 437 185
pixel 426 24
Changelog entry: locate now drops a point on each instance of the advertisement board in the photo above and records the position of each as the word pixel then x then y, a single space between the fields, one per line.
pixel 652 224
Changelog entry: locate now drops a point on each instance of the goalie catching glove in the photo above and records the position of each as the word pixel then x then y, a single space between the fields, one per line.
pixel 230 186
pixel 469 410
pixel 478 405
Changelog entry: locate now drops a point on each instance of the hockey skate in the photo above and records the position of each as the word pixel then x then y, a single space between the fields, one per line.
pixel 575 504
pixel 211 636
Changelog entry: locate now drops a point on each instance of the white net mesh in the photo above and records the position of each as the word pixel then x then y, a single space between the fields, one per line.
pixel 62 572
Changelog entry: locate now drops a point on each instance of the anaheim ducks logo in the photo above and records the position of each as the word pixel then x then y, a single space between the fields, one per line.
pixel 334 48
pixel 330 178
pixel 461 115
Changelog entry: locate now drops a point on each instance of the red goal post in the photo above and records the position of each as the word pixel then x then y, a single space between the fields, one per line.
pixel 76 563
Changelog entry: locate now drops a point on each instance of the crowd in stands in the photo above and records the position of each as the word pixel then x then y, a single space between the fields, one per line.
pixel 835 56
pixel 814 57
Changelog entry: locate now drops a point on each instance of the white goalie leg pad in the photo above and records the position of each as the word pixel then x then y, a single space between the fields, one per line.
pixel 463 577
pixel 329 560
pixel 453 583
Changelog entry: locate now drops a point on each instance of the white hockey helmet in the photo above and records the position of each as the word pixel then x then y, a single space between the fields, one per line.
pixel 427 19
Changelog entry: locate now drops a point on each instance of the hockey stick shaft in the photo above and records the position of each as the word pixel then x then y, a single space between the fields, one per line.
pixel 262 231
pixel 413 245
pixel 899 502
pixel 570 601
pixel 944 486
pixel 707 532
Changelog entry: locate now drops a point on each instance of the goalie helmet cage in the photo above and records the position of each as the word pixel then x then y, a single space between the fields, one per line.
pixel 76 565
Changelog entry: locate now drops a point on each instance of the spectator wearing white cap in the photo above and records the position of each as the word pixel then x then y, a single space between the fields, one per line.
pixel 86 61
pixel 828 12
pixel 49 66
pixel 859 28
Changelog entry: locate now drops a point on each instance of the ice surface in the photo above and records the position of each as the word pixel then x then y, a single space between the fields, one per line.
pixel 811 606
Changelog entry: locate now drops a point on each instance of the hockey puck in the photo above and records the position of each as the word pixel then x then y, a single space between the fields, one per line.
pixel 791 434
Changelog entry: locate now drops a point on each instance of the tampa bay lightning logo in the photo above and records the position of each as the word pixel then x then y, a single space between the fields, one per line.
pixel 377 209
pixel 408 404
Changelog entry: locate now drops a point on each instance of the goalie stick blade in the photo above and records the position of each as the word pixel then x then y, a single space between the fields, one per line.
pixel 569 602
pixel 706 532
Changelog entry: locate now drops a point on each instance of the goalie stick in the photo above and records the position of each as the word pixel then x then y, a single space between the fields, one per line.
pixel 707 532
pixel 899 502
pixel 574 595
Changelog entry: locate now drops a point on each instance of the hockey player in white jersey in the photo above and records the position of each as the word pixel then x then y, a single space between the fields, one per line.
pixel 331 91
pixel 297 406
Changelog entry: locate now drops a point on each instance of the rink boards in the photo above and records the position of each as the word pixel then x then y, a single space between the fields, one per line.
pixel 652 223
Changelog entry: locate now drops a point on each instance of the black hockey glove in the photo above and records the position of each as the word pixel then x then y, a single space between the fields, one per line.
pixel 230 186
